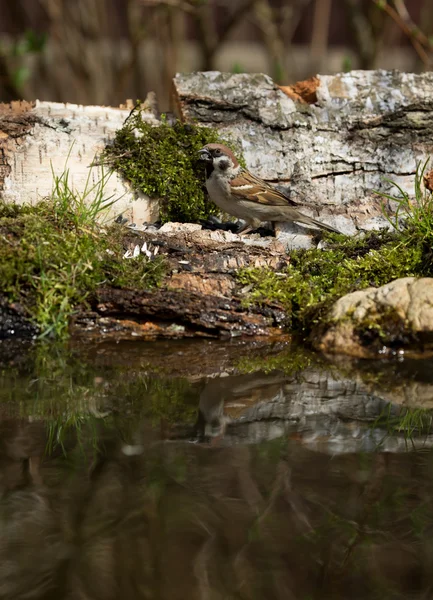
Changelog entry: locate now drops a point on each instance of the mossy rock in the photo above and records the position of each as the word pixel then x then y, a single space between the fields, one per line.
pixel 316 278
pixel 396 316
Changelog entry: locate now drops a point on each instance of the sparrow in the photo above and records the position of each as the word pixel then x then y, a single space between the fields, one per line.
pixel 241 194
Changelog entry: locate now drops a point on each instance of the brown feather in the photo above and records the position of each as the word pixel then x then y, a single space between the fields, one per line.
pixel 261 191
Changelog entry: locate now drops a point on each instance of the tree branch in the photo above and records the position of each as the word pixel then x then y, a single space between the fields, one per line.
pixel 401 16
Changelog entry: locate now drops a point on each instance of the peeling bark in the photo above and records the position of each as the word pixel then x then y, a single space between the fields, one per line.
pixel 201 295
pixel 328 142
pixel 41 138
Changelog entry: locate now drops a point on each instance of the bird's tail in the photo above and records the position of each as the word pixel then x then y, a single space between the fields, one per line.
pixel 310 221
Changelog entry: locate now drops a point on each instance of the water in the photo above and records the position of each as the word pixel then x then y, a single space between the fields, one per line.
pixel 210 470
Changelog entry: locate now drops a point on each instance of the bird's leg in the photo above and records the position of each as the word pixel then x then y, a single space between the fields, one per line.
pixel 246 229
pixel 249 226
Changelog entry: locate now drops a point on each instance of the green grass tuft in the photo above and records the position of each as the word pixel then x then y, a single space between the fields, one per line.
pixel 414 218
pixel 82 208
pixel 54 255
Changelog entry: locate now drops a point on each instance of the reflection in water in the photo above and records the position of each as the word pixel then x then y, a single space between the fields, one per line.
pixel 287 492
pixel 224 399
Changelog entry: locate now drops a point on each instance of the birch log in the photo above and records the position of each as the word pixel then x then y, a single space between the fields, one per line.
pixel 40 139
pixel 329 142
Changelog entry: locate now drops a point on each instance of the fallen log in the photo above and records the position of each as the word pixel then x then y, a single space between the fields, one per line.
pixel 42 139
pixel 200 296
pixel 329 143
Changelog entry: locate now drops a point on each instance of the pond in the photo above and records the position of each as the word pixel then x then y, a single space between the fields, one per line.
pixel 213 470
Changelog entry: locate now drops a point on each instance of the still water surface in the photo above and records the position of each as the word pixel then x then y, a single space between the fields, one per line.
pixel 208 470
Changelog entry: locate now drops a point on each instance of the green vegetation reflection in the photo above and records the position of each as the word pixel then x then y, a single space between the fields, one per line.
pixel 76 398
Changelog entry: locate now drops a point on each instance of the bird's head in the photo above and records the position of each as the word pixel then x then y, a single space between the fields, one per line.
pixel 219 158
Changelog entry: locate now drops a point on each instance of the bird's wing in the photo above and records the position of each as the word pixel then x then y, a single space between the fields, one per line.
pixel 247 186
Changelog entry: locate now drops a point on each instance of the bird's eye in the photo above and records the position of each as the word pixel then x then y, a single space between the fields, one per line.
pixel 217 152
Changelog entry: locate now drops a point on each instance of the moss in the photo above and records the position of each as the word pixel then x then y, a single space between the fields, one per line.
pixel 316 278
pixel 163 163
pixel 50 265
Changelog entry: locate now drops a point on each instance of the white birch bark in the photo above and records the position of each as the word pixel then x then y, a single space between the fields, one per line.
pixel 42 138
pixel 362 127
pixel 329 153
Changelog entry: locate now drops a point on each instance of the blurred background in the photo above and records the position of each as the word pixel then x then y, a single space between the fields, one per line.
pixel 105 51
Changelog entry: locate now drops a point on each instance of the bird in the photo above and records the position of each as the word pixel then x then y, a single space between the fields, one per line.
pixel 238 192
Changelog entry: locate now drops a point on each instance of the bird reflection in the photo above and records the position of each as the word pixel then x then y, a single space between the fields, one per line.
pixel 224 399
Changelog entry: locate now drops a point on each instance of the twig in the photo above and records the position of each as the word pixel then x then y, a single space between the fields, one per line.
pixel 401 17
pixel 364 33
pixel 289 18
pixel 271 38
pixel 405 17
pixel 210 41
pixel 319 36
pixel 137 31
pixel 184 6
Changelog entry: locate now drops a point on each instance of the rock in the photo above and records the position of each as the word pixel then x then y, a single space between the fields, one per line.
pixel 14 322
pixel 395 317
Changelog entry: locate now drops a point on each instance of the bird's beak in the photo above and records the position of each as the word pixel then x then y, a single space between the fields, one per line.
pixel 204 154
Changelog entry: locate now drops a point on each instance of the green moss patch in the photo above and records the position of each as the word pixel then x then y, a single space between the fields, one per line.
pixel 316 278
pixel 50 263
pixel 163 163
